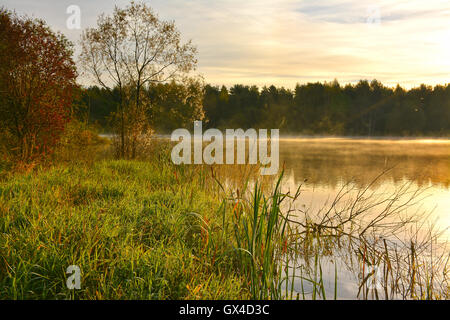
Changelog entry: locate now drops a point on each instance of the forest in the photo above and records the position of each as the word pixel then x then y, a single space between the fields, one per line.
pixel 367 108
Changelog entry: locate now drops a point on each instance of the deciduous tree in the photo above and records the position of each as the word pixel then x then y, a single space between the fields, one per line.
pixel 37 78
pixel 129 50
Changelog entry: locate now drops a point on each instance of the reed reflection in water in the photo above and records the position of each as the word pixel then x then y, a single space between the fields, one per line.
pixel 325 167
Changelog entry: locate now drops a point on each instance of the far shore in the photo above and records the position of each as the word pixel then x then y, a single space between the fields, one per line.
pixel 404 139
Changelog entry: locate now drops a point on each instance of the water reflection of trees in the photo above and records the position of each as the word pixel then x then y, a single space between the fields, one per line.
pixel 333 162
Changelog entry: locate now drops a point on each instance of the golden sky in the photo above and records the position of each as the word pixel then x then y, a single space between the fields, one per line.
pixel 284 42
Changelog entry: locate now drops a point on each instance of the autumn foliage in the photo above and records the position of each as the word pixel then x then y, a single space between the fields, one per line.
pixel 37 81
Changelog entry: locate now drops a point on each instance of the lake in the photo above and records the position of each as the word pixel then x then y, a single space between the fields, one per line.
pixel 329 163
pixel 324 166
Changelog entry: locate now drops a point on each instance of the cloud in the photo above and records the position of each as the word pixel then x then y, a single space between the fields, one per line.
pixel 283 42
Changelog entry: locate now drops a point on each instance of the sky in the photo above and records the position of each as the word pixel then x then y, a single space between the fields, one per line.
pixel 285 42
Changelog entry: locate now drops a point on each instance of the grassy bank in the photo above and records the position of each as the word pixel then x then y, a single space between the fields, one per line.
pixel 138 230
pixel 128 225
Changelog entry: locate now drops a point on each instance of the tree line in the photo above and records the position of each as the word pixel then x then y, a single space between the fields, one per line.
pixel 363 109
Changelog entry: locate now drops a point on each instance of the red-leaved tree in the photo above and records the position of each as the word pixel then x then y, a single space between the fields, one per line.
pixel 37 81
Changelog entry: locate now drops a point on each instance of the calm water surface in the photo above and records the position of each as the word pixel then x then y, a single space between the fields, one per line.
pixel 324 165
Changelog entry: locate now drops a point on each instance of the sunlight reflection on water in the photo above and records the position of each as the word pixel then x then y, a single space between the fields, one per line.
pixel 324 165
pixel 329 163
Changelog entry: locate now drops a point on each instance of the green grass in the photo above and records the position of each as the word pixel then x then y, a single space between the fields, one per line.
pixel 132 227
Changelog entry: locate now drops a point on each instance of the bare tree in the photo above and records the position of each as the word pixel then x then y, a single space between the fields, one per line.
pixel 129 50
